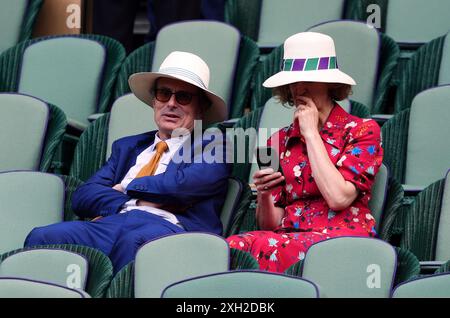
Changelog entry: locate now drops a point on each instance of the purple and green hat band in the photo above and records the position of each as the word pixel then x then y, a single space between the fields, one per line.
pixel 310 64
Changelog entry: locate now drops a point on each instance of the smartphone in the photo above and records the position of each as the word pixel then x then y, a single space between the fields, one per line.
pixel 267 157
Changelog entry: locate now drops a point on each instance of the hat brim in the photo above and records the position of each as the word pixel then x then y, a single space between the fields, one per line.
pixel 142 83
pixel 323 76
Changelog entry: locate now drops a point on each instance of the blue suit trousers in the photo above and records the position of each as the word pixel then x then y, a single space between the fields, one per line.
pixel 119 236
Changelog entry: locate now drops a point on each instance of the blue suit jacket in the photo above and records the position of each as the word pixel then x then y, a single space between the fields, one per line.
pixel 200 186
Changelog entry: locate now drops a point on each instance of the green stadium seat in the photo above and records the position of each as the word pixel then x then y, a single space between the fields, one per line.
pixel 434 286
pixel 17 18
pixel 351 267
pixel 230 57
pixel 30 132
pixel 410 153
pixel 402 17
pixel 25 288
pixel 270 22
pixel 428 67
pixel 55 266
pixel 426 225
pixel 82 67
pixel 28 200
pixel 125 283
pixel 242 284
pixel 99 271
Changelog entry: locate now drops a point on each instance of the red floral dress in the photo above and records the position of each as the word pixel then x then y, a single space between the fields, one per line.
pixel 354 146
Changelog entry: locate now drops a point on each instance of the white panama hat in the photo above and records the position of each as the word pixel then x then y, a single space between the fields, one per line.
pixel 186 67
pixel 309 57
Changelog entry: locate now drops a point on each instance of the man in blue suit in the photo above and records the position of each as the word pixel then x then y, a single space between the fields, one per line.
pixel 142 192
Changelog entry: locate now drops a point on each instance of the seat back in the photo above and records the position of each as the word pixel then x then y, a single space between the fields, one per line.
pixel 274 117
pixel 444 71
pixel 242 284
pixel 65 71
pixel 443 236
pixel 48 265
pixel 23 126
pixel 28 200
pixel 379 192
pixel 172 258
pixel 25 288
pixel 357 49
pixel 129 116
pixel 403 16
pixel 231 200
pixel 12 14
pixel 215 42
pixel 281 19
pixel 351 267
pixel 434 286
pixel 428 150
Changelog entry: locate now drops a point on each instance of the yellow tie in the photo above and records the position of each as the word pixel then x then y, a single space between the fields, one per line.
pixel 150 168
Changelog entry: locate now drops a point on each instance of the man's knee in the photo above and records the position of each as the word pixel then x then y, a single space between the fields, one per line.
pixel 38 236
pixel 51 234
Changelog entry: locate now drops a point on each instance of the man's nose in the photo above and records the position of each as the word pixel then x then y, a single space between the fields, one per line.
pixel 172 102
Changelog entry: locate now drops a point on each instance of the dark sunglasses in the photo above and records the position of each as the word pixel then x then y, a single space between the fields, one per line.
pixel 165 94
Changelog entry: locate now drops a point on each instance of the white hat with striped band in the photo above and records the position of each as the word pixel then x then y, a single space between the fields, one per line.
pixel 186 67
pixel 309 57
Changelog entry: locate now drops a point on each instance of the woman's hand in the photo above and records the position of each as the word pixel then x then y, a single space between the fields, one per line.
pixel 307 115
pixel 266 180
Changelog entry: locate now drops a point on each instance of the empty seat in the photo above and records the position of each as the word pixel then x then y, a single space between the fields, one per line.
pixel 55 266
pixel 426 223
pixel 28 200
pixel 83 68
pixel 30 132
pixel 99 267
pixel 242 284
pixel 25 288
pixel 402 17
pixel 353 267
pixel 416 149
pixel 172 258
pixel 428 67
pixel 434 286
pixel 270 22
pixel 17 18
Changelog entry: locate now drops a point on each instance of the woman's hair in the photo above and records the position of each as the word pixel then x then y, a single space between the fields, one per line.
pixel 336 91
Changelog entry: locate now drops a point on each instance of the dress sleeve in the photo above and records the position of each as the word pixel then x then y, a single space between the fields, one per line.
pixel 362 155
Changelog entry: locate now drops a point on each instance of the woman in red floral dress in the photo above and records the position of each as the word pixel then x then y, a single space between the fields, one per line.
pixel 329 160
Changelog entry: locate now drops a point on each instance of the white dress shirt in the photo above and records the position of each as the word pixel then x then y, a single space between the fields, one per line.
pixel 142 159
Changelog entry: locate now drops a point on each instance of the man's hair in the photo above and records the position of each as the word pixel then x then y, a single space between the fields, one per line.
pixel 336 91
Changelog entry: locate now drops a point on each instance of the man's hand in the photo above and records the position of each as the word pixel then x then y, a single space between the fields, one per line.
pixel 118 187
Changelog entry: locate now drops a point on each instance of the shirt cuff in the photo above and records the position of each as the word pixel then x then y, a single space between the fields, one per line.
pixel 129 203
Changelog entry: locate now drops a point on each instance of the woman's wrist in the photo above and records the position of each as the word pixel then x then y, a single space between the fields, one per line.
pixel 311 135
